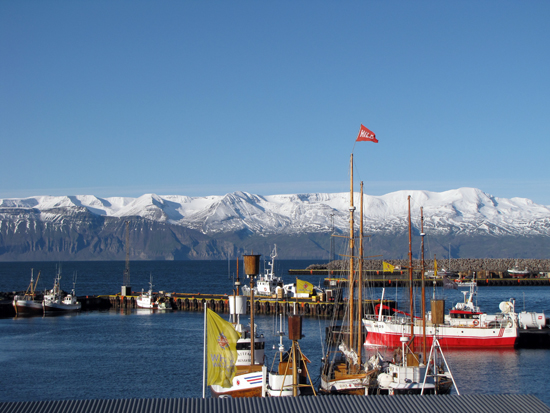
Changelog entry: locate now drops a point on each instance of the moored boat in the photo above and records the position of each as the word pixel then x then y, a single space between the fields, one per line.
pixel 515 272
pixel 343 370
pixel 28 304
pixel 466 326
pixel 54 302
pixel 147 299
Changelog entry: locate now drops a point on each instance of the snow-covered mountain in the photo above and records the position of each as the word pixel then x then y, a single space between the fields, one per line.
pixel 459 211
pixel 29 225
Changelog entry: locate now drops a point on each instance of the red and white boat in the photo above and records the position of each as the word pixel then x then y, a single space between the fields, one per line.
pixel 466 326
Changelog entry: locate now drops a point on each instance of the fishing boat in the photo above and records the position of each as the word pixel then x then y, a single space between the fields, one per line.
pixel 147 299
pixel 270 285
pixel 343 371
pixel 55 302
pixel 466 326
pixel 249 377
pixel 28 304
pixel 267 284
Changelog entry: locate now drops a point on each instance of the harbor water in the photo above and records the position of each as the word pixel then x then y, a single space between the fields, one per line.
pixel 153 354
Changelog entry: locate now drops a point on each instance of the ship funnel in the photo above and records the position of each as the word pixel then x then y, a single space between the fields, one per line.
pixel 251 265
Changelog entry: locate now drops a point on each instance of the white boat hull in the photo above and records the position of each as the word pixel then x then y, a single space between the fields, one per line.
pixel 52 307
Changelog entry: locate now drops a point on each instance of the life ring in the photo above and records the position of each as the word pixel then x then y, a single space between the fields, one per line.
pixel 476 322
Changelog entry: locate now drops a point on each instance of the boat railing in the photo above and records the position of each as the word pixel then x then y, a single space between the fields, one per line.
pixel 497 323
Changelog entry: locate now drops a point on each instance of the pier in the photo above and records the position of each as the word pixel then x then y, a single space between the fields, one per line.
pixel 307 307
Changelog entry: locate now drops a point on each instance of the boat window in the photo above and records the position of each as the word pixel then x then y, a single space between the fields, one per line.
pixel 243 346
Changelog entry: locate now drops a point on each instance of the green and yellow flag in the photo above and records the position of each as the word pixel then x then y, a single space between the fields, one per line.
pixel 222 350
pixel 303 287
pixel 388 267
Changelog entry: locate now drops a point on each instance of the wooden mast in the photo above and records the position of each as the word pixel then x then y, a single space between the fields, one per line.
pixel 351 261
pixel 423 287
pixel 411 280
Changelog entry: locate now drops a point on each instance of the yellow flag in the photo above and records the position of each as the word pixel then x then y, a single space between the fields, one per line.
pixel 303 287
pixel 388 267
pixel 222 350
pixel 435 267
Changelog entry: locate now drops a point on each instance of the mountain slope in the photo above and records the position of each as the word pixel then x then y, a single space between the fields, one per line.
pixel 181 227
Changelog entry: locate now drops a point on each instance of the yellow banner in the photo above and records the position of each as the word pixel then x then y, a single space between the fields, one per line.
pixel 222 350
pixel 388 267
pixel 303 287
pixel 435 267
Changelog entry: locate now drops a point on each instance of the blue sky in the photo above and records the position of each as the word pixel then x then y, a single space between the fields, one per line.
pixel 122 98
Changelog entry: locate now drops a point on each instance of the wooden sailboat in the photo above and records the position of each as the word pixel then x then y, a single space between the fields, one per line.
pixel 343 371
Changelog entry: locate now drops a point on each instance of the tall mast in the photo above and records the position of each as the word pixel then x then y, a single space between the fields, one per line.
pixel 411 279
pixel 360 283
pixel 423 287
pixel 351 250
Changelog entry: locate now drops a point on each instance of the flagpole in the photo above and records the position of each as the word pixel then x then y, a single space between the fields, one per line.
pixel 204 357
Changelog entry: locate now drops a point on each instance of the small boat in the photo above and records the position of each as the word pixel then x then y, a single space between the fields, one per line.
pixel 147 299
pixel 163 303
pixel 27 304
pixel 291 376
pixel 54 302
pixel 517 273
pixel 410 372
pixel 408 375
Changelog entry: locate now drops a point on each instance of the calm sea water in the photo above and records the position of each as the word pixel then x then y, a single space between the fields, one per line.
pixel 144 354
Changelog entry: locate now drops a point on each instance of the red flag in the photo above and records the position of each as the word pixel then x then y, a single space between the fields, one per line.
pixel 366 134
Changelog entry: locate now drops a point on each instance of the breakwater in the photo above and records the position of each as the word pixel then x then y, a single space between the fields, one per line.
pixel 456 265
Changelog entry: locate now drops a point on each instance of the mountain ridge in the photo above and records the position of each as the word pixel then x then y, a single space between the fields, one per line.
pixel 226 225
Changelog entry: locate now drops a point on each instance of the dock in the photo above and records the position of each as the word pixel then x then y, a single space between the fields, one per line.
pixel 306 307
